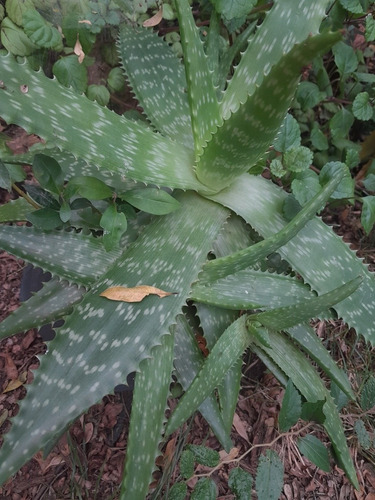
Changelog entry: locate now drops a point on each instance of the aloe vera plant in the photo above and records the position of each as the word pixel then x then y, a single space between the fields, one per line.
pixel 200 143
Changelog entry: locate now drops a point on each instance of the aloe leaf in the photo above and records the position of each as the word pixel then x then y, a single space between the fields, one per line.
pixel 254 125
pixel 103 341
pixel 72 256
pixel 283 318
pixel 296 366
pixel 286 24
pixel 313 346
pixel 113 142
pixel 188 361
pixel 214 322
pixel 251 289
pixel 322 259
pixel 52 302
pixel 235 262
pixel 158 81
pixel 222 357
pixel 147 419
pixel 204 107
pixel 15 210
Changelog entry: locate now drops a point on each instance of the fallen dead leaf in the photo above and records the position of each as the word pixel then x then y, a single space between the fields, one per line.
pixel 240 427
pixel 154 20
pixel 135 294
pixel 79 51
pixel 13 384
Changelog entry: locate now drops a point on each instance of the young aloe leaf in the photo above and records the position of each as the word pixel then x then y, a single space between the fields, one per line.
pixel 249 256
pixel 251 289
pixel 313 346
pixel 147 419
pixel 72 256
pixel 269 478
pixel 188 361
pixel 103 341
pixel 254 125
pixel 322 259
pixel 283 318
pixel 158 81
pixel 204 107
pixel 113 142
pixel 15 210
pixel 286 24
pixel 52 302
pixel 296 366
pixel 222 357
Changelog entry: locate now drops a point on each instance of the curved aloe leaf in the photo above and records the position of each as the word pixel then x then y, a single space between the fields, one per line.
pixel 52 302
pixel 259 201
pixel 113 142
pixel 204 107
pixel 103 341
pixel 188 361
pixel 225 353
pixel 296 366
pixel 221 267
pixel 286 24
pixel 251 289
pixel 253 126
pixel 147 419
pixel 157 79
pixel 72 256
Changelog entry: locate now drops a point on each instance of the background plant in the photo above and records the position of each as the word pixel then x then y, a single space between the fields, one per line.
pixel 94 351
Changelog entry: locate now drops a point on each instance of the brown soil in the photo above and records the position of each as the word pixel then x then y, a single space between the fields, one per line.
pixel 87 461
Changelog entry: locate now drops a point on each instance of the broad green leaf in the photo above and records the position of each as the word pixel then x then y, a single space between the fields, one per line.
pixel 41 32
pixel 318 138
pixel 315 451
pixel 161 93
pixel 65 211
pixel 313 411
pixel 222 357
pixel 71 73
pixel 205 489
pixel 151 200
pixel 52 302
pixel 98 93
pixel 362 108
pixel 48 173
pixel 290 409
pixel 140 154
pixel 188 361
pixel 15 210
pixel 187 464
pixel 178 491
pixel 147 419
pixel 345 58
pixel 240 482
pixel 254 125
pixel 363 436
pixel 233 8
pixel 17 8
pixel 269 45
pixel 369 182
pixel 370 28
pixel 367 398
pixel 116 79
pixel 368 213
pixel 289 135
pixel 204 455
pixel 297 367
pixel 339 396
pixel 258 201
pixel 297 159
pixel 286 317
pixel 353 6
pixel 308 95
pixel 238 261
pixel 352 158
pixel 15 40
pixel 277 168
pixel 305 186
pixel 341 123
pixel 270 476
pixel 88 187
pixel 204 107
pixel 112 338
pixel 114 225
pixel 345 189
pixel 45 219
pixel 5 179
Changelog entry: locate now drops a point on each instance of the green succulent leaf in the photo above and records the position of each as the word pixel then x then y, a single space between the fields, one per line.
pixel 254 125
pixel 269 478
pixel 315 451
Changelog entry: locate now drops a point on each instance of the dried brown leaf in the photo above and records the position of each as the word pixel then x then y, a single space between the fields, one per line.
pixel 79 51
pixel 13 384
pixel 135 294
pixel 154 20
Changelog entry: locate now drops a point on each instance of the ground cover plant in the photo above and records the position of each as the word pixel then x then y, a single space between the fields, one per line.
pixel 138 219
